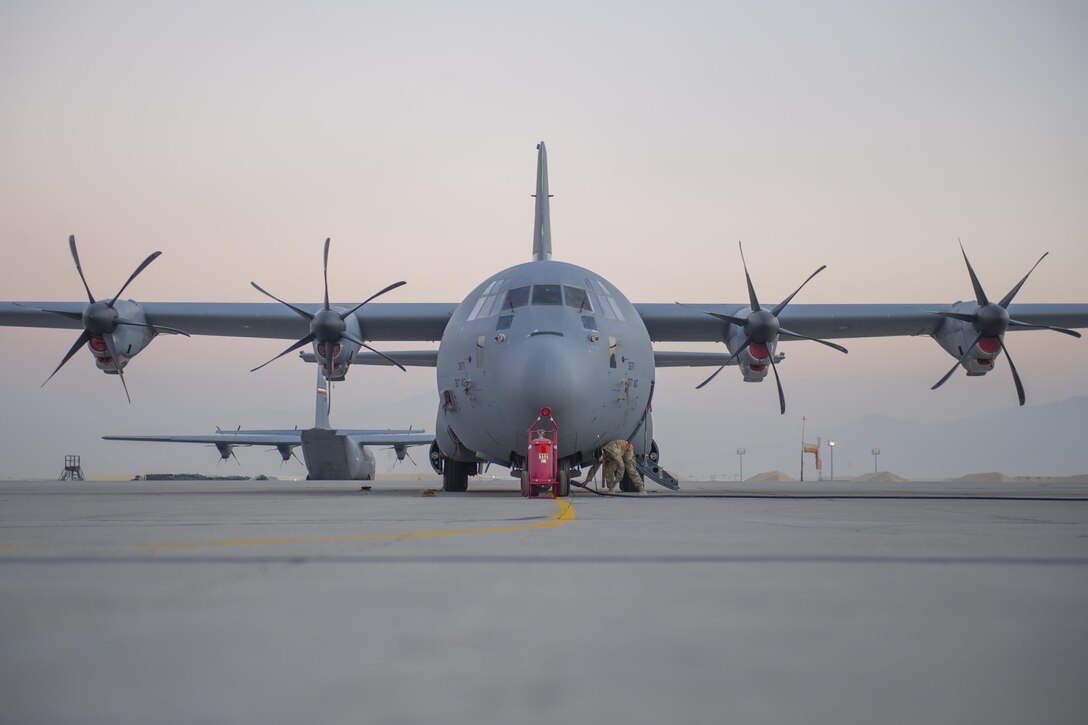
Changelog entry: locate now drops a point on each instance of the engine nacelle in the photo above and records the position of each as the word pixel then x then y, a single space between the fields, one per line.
pixel 434 456
pixel 754 362
pixel 343 351
pixel 128 340
pixel 954 337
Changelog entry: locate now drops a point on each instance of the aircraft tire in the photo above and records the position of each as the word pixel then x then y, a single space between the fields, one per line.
pixel 525 484
pixel 455 477
pixel 627 485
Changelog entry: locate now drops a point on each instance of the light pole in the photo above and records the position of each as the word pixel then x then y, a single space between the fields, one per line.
pixel 740 458
pixel 831 445
pixel 876 453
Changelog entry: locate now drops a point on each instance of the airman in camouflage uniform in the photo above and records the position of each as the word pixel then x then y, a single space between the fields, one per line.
pixel 618 459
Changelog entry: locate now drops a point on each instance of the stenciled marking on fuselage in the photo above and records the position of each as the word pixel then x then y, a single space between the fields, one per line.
pixel 564 514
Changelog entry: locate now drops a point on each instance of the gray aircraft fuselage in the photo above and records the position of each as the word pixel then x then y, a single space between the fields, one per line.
pixel 543 333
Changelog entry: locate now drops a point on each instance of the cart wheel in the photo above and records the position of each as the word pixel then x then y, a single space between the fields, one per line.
pixel 563 489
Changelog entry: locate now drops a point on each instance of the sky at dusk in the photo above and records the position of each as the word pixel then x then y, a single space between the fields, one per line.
pixel 234 137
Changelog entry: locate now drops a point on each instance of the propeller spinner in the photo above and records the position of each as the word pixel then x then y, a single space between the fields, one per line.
pixel 762 328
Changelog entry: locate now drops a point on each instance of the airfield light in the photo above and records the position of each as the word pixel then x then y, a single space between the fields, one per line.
pixel 740 457
pixel 831 445
pixel 876 453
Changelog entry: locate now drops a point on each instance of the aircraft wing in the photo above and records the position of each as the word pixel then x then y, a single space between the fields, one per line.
pixel 426 321
pixel 407 358
pixel 379 321
pixel 673 359
pixel 271 438
pixel 686 323
pixel 287 438
pixel 370 438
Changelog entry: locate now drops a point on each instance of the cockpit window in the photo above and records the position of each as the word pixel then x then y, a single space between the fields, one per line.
pixel 517 297
pixel 606 302
pixel 490 300
pixel 577 298
pixel 547 294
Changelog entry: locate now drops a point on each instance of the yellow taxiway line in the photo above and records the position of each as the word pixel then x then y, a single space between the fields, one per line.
pixel 564 514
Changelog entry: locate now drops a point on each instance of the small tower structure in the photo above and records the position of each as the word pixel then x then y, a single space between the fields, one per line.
pixel 72 470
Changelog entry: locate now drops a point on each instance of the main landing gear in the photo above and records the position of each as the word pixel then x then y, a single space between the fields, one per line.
pixel 455 475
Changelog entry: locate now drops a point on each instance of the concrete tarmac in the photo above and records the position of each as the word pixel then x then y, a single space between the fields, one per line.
pixel 277 602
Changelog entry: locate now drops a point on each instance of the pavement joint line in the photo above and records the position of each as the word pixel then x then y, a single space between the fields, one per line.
pixel 563 514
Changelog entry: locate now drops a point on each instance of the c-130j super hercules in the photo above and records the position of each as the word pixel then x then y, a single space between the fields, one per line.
pixel 548 334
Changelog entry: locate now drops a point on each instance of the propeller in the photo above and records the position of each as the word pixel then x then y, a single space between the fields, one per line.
pixel 397 458
pixel 327 326
pixel 761 327
pixel 991 320
pixel 289 457
pixel 100 318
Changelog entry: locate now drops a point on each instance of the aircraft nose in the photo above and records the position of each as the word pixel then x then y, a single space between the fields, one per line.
pixel 541 371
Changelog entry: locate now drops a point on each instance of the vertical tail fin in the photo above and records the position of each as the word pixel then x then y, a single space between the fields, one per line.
pixel 542 227
pixel 321 406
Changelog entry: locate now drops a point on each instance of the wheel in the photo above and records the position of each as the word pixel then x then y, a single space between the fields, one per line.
pixel 525 489
pixel 564 484
pixel 455 476
pixel 627 485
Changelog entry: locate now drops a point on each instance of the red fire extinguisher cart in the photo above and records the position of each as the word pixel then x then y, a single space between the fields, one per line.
pixel 542 463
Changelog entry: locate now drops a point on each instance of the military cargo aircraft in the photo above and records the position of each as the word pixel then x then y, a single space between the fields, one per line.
pixel 549 334
pixel 329 454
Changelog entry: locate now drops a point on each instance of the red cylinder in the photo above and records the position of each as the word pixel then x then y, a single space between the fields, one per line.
pixel 542 463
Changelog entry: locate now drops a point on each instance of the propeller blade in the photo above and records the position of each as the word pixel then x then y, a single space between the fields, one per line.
pixel 143 265
pixel 799 336
pixel 700 385
pixel 391 287
pixel 108 338
pixel 300 312
pixel 1026 326
pixel 739 321
pixel 957 316
pixel 744 346
pixel 79 268
pixel 82 340
pixel 778 382
pixel 958 363
pixel 376 352
pixel 782 305
pixel 301 343
pixel 980 295
pixel 1015 375
pixel 751 290
pixel 326 271
pixel 724 318
pixel 1012 293
pixel 69 315
pixel 156 328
